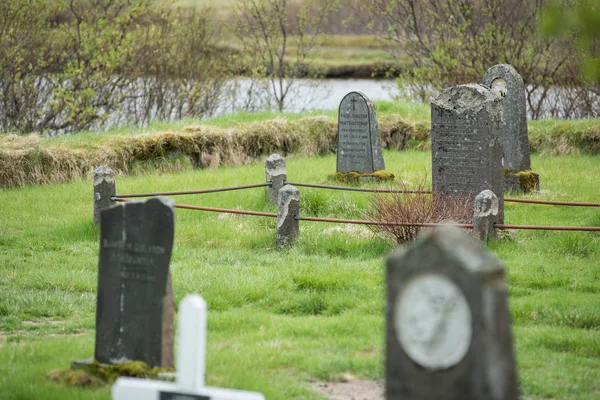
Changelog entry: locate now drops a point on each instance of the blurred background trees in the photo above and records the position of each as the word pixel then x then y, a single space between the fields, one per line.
pixel 449 42
pixel 71 65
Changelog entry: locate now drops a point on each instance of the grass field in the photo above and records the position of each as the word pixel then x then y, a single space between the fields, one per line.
pixel 280 319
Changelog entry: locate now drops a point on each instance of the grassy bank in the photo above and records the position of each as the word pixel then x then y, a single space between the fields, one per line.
pixel 281 319
pixel 241 139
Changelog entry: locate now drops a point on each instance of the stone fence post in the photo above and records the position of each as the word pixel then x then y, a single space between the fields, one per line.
pixel 485 215
pixel 288 208
pixel 104 189
pixel 276 175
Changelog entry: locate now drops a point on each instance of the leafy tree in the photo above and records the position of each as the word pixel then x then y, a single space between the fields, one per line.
pixel 276 40
pixel 24 59
pixel 581 20
pixel 452 42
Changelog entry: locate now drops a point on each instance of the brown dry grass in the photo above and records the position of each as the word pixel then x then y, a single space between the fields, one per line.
pixel 26 160
pixel 410 208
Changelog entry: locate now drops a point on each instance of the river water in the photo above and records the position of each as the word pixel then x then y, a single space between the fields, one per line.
pixel 306 95
pixel 326 94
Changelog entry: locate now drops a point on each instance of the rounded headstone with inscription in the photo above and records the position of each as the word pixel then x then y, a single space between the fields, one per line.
pixel 359 144
pixel 515 143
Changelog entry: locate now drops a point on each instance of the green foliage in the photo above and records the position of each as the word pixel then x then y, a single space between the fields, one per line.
pixel 266 28
pixel 580 19
pixel 455 42
pixel 100 59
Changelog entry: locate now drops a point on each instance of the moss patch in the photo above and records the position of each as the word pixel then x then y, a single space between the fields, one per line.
pixel 357 177
pixel 97 374
pixel 525 181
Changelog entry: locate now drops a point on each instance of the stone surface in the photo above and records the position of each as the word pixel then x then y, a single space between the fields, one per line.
pixel 486 369
pixel 276 175
pixel 104 189
pixel 466 124
pixel 359 144
pixel 288 208
pixel 485 215
pixel 514 139
pixel 134 314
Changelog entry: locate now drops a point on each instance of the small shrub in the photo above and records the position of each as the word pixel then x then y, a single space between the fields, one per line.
pixel 410 208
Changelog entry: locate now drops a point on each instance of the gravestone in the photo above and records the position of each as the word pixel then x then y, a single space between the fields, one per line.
pixel 448 333
pixel 135 306
pixel 466 124
pixel 514 139
pixel 359 144
pixel 191 362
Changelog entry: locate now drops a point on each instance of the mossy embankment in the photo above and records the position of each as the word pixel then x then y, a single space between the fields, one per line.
pixel 33 159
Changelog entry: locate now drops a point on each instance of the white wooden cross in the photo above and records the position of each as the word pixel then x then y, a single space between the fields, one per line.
pixel 191 364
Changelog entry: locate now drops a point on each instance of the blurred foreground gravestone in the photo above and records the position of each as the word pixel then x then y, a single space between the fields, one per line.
pixel 191 365
pixel 135 304
pixel 466 124
pixel 515 141
pixel 448 332
pixel 359 144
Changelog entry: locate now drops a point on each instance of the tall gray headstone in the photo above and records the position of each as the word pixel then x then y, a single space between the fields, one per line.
pixel 466 124
pixel 448 333
pixel 359 144
pixel 134 315
pixel 514 139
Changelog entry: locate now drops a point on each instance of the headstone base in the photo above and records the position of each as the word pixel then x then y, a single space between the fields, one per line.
pixel 357 177
pixel 521 181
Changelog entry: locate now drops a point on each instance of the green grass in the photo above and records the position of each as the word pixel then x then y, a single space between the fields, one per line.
pixel 281 318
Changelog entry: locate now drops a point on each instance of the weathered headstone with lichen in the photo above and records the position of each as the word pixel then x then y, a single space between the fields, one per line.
pixel 135 305
pixel 466 124
pixel 448 333
pixel 359 144
pixel 515 141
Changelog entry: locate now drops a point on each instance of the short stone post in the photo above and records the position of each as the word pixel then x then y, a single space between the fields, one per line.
pixel 104 189
pixel 276 175
pixel 288 208
pixel 485 215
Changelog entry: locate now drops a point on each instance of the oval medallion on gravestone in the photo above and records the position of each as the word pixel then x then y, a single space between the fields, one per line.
pixel 448 332
pixel 359 144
